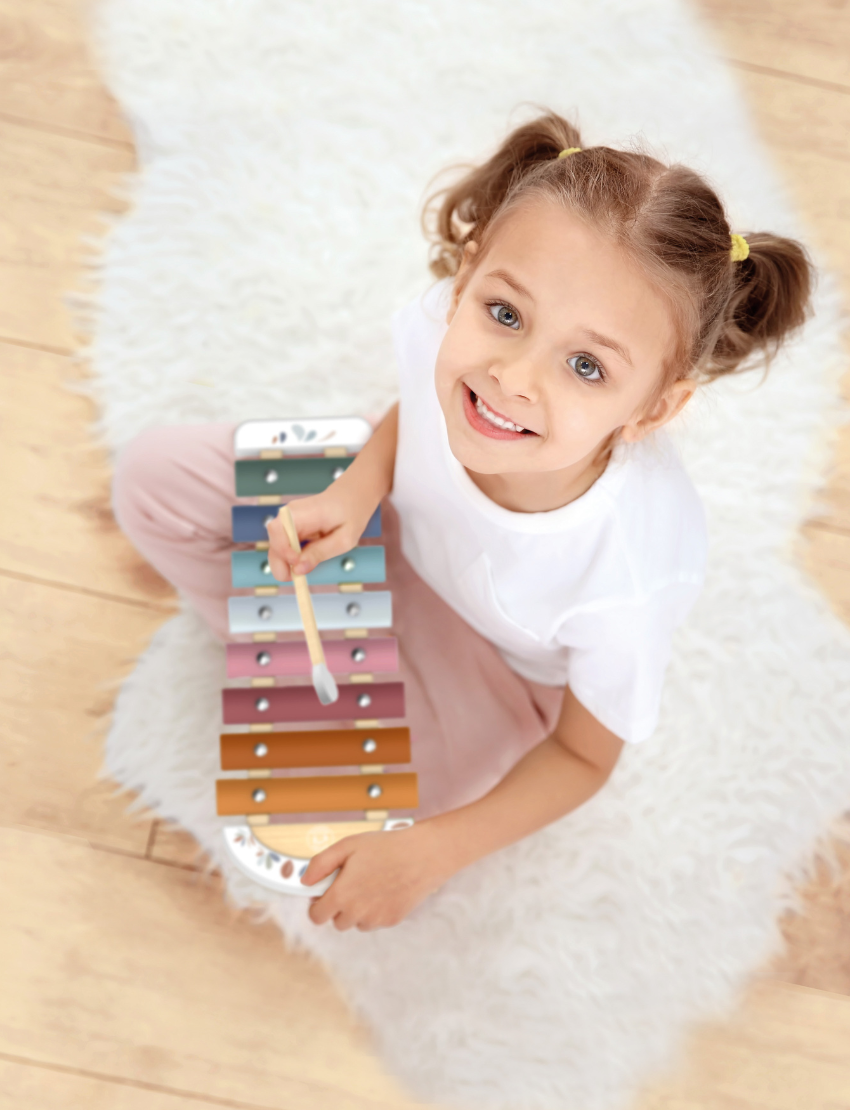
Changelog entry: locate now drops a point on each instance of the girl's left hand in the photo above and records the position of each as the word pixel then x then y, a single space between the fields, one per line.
pixel 383 876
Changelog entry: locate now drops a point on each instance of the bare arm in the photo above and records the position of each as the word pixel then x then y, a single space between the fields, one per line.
pixel 553 779
pixel 385 875
pixel 333 521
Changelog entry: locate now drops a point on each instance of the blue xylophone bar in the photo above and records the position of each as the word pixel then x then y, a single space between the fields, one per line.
pixel 250 569
pixel 249 523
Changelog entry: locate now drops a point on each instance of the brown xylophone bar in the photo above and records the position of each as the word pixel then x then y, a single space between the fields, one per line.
pixel 338 747
pixel 325 793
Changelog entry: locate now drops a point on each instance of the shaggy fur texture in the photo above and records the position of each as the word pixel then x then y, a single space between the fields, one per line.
pixel 285 147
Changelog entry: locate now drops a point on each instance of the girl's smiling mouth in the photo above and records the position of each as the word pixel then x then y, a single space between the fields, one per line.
pixel 489 422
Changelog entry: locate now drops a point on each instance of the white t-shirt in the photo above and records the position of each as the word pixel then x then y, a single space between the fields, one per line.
pixel 587 595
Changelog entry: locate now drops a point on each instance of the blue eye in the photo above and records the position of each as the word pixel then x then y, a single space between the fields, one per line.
pixel 505 315
pixel 586 367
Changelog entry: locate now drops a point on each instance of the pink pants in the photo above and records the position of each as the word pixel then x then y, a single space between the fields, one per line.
pixel 471 716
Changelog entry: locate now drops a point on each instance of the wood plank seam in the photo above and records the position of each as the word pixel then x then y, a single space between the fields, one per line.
pixel 114 850
pixel 86 591
pixel 179 865
pixel 141 1084
pixel 10 340
pixel 826 526
pixel 151 838
pixel 66 132
pixel 788 75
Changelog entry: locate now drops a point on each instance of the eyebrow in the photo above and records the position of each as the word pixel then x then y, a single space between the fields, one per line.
pixel 611 344
pixel 593 336
pixel 504 276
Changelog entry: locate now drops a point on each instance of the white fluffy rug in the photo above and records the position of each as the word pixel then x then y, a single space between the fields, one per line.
pixel 285 147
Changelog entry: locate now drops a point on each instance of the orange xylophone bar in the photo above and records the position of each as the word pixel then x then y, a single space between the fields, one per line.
pixel 338 747
pixel 309 794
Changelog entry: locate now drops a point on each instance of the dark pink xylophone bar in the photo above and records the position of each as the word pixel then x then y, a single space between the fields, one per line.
pixel 378 654
pixel 373 700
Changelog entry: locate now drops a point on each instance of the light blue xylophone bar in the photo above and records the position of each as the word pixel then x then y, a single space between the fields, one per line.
pixel 333 612
pixel 363 564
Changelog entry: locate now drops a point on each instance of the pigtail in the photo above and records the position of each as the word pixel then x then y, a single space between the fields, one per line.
pixel 459 214
pixel 768 302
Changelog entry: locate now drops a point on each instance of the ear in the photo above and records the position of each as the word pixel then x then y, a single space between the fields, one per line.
pixel 661 412
pixel 470 250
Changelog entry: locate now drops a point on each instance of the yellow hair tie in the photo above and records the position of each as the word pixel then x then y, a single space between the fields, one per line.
pixel 740 248
pixel 570 150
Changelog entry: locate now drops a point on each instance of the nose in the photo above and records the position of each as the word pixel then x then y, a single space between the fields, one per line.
pixel 517 377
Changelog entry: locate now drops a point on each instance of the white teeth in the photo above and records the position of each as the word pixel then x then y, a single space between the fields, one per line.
pixel 489 415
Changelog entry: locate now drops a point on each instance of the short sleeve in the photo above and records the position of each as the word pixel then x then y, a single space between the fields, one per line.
pixel 618 656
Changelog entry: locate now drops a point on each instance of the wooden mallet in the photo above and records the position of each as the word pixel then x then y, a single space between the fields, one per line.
pixel 323 680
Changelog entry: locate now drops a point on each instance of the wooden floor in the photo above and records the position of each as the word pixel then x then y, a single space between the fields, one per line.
pixel 126 981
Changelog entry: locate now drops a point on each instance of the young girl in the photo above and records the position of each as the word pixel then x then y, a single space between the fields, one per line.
pixel 551 539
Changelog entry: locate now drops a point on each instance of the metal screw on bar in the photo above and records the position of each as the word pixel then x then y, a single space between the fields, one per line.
pixel 353 609
pixel 358 655
pixel 364 700
pixel 263 658
pixel 348 564
pixel 265 567
pixel 262 704
pixel 270 476
pixel 261 750
pixel 374 791
pixel 259 795
pixel 265 612
pixel 370 745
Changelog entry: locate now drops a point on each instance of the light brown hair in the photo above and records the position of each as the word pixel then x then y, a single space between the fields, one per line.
pixel 667 219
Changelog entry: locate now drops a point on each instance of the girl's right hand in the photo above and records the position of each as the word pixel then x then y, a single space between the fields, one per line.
pixel 333 521
pixel 328 524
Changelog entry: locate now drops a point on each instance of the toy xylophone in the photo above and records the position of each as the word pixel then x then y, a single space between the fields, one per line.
pixel 275 727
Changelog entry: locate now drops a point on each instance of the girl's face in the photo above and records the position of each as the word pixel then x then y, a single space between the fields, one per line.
pixel 555 341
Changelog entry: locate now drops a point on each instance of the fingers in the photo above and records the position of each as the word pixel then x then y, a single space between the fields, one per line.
pixel 315 516
pixel 322 909
pixel 323 530
pixel 284 558
pixel 322 864
pixel 344 921
pixel 318 550
pixel 327 909
pixel 331 904
pixel 282 555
